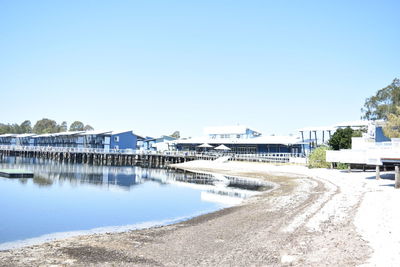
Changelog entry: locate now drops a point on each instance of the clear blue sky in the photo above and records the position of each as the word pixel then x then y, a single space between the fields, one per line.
pixel 159 66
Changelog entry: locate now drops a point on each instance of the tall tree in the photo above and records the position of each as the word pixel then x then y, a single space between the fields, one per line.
pixel 26 127
pixel 4 128
pixel 88 128
pixel 63 126
pixel 392 126
pixel 77 126
pixel 383 103
pixel 46 126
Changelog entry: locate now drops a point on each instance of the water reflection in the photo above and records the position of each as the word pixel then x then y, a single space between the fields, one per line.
pixel 70 197
pixel 49 172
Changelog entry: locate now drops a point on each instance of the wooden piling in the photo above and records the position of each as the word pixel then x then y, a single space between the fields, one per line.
pixel 396 177
pixel 378 175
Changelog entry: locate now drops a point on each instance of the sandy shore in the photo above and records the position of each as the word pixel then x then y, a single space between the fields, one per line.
pixel 315 217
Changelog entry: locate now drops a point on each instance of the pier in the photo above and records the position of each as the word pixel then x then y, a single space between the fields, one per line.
pixel 97 156
pixel 130 157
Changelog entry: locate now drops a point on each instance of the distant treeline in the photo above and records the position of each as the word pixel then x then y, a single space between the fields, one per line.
pixel 43 126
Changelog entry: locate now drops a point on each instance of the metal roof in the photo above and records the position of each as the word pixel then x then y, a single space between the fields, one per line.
pixel 25 135
pixel 8 135
pixel 120 132
pixel 97 132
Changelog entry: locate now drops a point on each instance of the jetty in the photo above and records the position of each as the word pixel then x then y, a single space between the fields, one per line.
pixel 130 157
pixel 16 173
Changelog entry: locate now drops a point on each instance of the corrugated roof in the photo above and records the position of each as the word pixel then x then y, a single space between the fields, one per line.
pixel 8 135
pixel 68 133
pixel 42 135
pixel 25 135
pixel 97 132
pixel 120 132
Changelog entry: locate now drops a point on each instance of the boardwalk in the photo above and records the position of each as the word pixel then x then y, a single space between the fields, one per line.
pixel 129 157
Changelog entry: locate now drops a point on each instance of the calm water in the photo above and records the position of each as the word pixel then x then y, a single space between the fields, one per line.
pixel 77 197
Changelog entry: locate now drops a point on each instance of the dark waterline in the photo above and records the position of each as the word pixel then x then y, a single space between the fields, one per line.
pixel 77 197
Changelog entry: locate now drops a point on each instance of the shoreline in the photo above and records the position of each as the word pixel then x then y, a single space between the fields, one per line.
pixel 37 241
pixel 304 221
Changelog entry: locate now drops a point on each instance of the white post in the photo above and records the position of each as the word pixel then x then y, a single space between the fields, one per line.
pixel 396 177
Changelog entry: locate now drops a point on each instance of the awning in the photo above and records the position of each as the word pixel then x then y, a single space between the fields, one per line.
pixel 205 145
pixel 222 147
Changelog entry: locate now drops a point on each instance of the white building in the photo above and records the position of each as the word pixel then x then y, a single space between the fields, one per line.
pixel 241 140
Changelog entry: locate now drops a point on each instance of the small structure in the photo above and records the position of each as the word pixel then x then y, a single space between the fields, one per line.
pixel 229 132
pixel 14 173
pixel 157 144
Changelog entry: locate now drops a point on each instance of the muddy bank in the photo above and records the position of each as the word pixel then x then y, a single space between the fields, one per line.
pixel 270 229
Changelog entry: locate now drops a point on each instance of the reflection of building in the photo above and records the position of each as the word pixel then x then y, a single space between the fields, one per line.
pixel 241 140
pixel 215 188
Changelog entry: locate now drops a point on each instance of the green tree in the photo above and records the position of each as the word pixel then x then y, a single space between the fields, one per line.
pixel 88 128
pixel 63 127
pixel 3 128
pixel 77 126
pixel 383 103
pixel 46 126
pixel 392 126
pixel 317 158
pixel 341 139
pixel 15 128
pixel 26 127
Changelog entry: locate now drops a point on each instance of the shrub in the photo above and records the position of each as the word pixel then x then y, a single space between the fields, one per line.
pixel 342 166
pixel 317 158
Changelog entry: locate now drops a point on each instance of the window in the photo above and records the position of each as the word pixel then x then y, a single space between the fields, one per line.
pixel 116 138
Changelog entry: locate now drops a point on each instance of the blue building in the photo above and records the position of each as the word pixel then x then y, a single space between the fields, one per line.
pixel 124 140
pixel 63 139
pixel 8 139
pixel 79 139
pixel 25 139
pixel 111 140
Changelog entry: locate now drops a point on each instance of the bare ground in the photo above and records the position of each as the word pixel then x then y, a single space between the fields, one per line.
pixel 255 233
